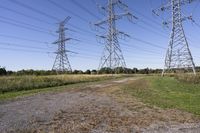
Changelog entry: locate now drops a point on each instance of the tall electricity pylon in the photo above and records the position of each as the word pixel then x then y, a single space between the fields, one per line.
pixel 61 63
pixel 178 56
pixel 112 55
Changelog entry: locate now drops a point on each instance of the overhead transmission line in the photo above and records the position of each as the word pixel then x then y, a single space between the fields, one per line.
pixel 24 27
pixel 155 32
pixel 71 24
pixel 20 22
pixel 40 20
pixel 20 45
pixel 157 23
pixel 85 9
pixel 142 26
pixel 24 39
pixel 128 46
pixel 149 25
pixel 25 50
pixel 148 43
pixel 33 9
pixel 147 18
pixel 44 14
pixel 25 15
pixel 28 7
pixel 86 31
pixel 67 10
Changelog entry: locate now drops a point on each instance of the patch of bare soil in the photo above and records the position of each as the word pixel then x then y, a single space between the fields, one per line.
pixel 101 108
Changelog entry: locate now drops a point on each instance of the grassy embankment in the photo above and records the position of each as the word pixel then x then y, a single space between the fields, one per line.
pixel 179 92
pixel 14 86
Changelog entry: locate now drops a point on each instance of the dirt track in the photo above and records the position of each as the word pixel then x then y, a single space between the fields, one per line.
pixel 99 108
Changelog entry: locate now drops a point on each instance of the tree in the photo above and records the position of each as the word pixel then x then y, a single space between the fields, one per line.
pixel 94 72
pixel 135 70
pixel 105 70
pixel 3 71
pixel 144 71
pixel 75 72
pixel 87 72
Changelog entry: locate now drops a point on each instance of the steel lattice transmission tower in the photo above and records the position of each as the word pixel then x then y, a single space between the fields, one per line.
pixel 112 55
pixel 61 63
pixel 178 56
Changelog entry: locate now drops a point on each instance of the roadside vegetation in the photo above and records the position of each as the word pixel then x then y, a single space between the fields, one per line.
pixel 189 78
pixel 167 92
pixel 19 83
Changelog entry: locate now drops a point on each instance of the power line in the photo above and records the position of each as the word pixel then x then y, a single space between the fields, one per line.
pixel 85 9
pixel 146 17
pixel 33 9
pixel 25 15
pixel 148 43
pixel 198 25
pixel 128 49
pixel 145 28
pixel 135 47
pixel 24 50
pixel 20 45
pixel 24 27
pixel 142 42
pixel 20 22
pixel 44 14
pixel 24 46
pixel 67 10
pixel 40 20
pixel 138 48
pixel 80 29
pixel 25 39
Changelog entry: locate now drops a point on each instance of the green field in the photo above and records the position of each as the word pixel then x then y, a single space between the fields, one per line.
pixel 166 92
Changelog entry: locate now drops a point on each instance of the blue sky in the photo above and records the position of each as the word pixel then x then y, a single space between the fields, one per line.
pixel 26 35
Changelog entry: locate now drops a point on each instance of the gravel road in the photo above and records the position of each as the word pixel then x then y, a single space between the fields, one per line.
pixel 91 109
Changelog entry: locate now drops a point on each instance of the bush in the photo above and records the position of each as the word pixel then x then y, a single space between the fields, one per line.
pixel 3 71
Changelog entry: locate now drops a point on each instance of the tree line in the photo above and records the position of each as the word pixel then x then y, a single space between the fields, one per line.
pixel 105 70
pixel 3 71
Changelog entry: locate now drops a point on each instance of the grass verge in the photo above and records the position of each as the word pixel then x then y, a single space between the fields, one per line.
pixel 166 92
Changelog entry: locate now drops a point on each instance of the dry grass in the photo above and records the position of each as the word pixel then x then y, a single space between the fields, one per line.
pixel 19 83
pixel 189 78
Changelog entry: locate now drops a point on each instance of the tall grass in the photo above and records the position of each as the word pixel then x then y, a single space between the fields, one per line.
pixel 189 78
pixel 18 83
